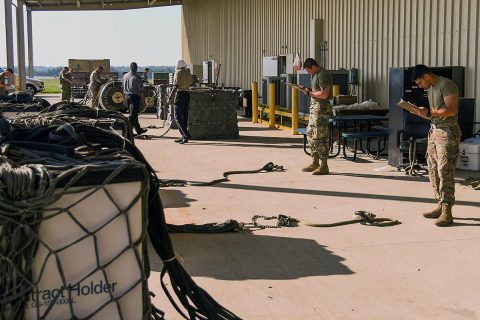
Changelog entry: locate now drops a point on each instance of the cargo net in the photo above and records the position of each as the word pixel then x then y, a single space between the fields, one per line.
pixel 58 256
pixel 72 113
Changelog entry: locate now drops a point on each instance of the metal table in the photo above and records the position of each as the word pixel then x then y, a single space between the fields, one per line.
pixel 342 123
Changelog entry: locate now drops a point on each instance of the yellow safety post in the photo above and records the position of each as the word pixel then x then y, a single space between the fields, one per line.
pixel 271 105
pixel 294 110
pixel 336 90
pixel 254 102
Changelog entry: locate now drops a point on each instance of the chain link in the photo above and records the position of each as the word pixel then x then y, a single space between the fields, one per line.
pixel 282 221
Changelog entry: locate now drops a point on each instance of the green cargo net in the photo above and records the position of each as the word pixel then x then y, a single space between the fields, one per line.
pixel 40 165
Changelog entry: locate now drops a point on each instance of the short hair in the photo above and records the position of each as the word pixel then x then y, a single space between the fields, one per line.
pixel 133 67
pixel 310 62
pixel 419 71
pixel 10 70
pixel 66 68
pixel 146 69
pixel 100 67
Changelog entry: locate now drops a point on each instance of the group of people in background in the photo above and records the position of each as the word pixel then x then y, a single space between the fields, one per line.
pixel 134 97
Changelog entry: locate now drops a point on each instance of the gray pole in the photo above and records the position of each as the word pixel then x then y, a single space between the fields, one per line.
pixel 30 42
pixel 9 33
pixel 21 46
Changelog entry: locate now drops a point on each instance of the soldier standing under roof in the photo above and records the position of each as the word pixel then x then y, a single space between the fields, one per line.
pixel 182 82
pixel 443 139
pixel 320 112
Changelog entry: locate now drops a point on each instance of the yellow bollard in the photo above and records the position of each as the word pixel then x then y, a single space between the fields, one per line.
pixel 294 110
pixel 271 105
pixel 254 102
pixel 336 90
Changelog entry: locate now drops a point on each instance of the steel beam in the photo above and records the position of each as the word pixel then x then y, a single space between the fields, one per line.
pixel 21 47
pixel 9 33
pixel 30 42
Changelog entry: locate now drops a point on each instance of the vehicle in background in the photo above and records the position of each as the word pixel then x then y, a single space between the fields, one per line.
pixel 81 69
pixel 33 85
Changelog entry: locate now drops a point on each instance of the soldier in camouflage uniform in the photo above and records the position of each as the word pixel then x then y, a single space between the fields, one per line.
pixel 94 86
pixel 66 84
pixel 4 79
pixel 320 112
pixel 443 139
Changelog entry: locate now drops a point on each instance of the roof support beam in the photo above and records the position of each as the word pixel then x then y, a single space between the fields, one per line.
pixel 30 42
pixel 9 33
pixel 21 47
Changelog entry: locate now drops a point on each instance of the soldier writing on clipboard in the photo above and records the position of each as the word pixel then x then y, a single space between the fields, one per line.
pixel 443 139
pixel 320 112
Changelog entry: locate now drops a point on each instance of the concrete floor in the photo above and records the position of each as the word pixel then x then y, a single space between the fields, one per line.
pixel 411 271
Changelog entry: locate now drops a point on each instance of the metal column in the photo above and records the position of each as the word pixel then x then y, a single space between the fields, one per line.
pixel 9 33
pixel 30 42
pixel 21 47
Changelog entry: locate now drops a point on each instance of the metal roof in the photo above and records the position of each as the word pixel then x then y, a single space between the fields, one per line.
pixel 75 5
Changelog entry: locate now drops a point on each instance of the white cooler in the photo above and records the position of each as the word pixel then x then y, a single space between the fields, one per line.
pixel 469 157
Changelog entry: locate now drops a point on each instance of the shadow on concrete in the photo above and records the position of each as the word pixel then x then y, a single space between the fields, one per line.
pixel 221 144
pixel 463 224
pixel 172 198
pixel 254 129
pixel 377 176
pixel 352 195
pixel 244 255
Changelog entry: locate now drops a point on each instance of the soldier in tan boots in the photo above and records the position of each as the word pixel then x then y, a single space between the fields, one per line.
pixel 443 139
pixel 320 112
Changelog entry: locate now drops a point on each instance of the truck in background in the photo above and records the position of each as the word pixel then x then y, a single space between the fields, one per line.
pixel 81 70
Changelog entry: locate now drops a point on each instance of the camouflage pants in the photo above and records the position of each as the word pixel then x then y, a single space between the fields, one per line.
pixel 317 130
pixel 94 96
pixel 442 155
pixel 66 93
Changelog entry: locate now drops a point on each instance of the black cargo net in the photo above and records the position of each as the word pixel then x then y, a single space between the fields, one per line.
pixel 36 171
pixel 72 113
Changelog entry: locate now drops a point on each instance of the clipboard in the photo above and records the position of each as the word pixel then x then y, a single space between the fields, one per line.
pixel 410 107
pixel 293 85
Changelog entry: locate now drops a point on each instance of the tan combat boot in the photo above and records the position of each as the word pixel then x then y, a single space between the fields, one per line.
pixel 322 169
pixel 314 165
pixel 446 217
pixel 434 214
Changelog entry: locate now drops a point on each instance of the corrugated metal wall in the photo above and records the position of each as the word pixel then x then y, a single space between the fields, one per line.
pixel 371 35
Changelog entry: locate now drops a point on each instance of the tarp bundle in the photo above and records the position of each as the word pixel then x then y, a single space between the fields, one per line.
pixel 21 103
pixel 70 112
pixel 213 114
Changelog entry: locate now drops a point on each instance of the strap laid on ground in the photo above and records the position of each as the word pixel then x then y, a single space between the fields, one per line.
pixel 269 167
pixel 472 182
pixel 363 217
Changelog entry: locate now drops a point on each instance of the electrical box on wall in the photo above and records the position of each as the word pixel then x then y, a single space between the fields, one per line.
pixel 275 66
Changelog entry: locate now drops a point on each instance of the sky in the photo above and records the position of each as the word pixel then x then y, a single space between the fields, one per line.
pixel 147 36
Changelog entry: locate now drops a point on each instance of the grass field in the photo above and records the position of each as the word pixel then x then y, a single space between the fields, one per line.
pixel 51 85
